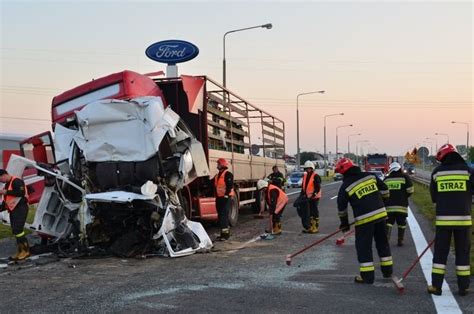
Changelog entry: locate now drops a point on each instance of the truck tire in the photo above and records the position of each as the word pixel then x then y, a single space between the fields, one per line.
pixel 184 201
pixel 234 211
pixel 260 205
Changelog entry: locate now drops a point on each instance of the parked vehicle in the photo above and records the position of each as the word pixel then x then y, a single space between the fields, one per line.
pixel 377 162
pixel 295 180
pixel 378 174
pixel 338 177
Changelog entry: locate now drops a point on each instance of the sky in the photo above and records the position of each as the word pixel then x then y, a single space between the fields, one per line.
pixel 400 71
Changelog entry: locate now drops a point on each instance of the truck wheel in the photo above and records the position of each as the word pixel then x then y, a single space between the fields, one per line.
pixel 183 200
pixel 260 205
pixel 234 211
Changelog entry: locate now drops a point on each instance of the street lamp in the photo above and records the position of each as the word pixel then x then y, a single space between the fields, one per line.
pixel 348 141
pixel 357 149
pixel 467 127
pixel 267 26
pixel 444 134
pixel 298 123
pixel 435 140
pixel 337 138
pixel 325 156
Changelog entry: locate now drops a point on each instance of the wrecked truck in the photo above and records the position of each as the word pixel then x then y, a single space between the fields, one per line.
pixel 130 162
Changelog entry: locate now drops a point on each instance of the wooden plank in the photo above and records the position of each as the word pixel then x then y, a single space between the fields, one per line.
pixel 236 143
pixel 234 108
pixel 225 115
pixel 223 127
pixel 272 126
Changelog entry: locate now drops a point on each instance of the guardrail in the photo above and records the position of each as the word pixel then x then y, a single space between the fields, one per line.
pixel 427 183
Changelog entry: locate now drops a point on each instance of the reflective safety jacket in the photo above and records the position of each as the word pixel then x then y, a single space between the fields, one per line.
pixel 401 188
pixel 451 187
pixel 364 191
pixel 16 193
pixel 311 186
pixel 277 179
pixel 276 199
pixel 224 182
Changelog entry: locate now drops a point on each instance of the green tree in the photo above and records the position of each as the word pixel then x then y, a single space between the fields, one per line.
pixel 305 156
pixel 471 154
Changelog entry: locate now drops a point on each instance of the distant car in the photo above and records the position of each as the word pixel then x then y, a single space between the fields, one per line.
pixel 295 180
pixel 338 177
pixel 378 174
pixel 409 170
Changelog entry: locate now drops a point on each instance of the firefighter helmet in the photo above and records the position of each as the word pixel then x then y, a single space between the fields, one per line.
pixel 308 164
pixel 444 150
pixel 261 184
pixel 222 162
pixel 343 165
pixel 394 166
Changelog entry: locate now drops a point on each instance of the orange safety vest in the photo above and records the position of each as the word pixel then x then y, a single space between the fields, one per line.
pixel 10 200
pixel 282 199
pixel 219 183
pixel 310 188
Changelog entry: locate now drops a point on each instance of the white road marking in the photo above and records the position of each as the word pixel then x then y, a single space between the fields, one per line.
pixel 244 245
pixel 292 193
pixel 446 303
pixel 334 197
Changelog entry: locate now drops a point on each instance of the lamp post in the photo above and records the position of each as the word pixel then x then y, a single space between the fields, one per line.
pixel 267 26
pixel 348 141
pixel 357 149
pixel 435 140
pixel 325 155
pixel 337 138
pixel 444 134
pixel 298 124
pixel 467 135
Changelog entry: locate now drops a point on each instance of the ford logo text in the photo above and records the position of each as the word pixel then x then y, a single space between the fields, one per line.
pixel 172 51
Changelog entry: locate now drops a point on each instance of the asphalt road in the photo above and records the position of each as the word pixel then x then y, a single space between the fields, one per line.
pixel 241 275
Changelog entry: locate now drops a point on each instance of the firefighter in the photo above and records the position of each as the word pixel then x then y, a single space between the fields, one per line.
pixel 451 187
pixel 277 178
pixel 276 200
pixel 310 194
pixel 224 189
pixel 15 201
pixel 365 192
pixel 401 188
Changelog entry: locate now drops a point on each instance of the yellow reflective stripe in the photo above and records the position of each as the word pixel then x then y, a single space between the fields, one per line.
pixel 20 234
pixel 397 209
pixel 438 271
pixel 452 223
pixel 402 226
pixel 367 268
pixel 361 185
pixel 386 263
pixel 463 272
pixel 452 177
pixel 371 218
pixel 411 189
pixel 342 213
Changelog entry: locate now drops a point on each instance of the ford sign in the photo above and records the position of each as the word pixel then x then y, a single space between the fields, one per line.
pixel 172 51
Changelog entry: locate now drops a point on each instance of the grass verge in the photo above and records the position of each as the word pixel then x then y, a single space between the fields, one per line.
pixel 6 231
pixel 422 199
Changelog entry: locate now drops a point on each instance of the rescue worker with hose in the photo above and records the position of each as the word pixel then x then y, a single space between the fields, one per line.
pixel 309 199
pixel 451 188
pixel 276 200
pixel 224 190
pixel 15 201
pixel 365 192
pixel 401 188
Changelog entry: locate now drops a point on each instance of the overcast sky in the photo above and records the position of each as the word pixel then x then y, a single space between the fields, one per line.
pixel 399 70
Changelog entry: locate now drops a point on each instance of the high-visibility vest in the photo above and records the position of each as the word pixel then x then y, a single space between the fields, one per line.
pixel 310 188
pixel 10 200
pixel 282 199
pixel 219 183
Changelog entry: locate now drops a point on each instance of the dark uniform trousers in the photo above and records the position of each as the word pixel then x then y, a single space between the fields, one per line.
pixel 462 245
pixel 308 210
pixel 223 207
pixel 18 220
pixel 364 235
pixel 400 219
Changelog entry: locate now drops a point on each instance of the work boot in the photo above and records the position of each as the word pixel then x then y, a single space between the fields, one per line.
pixel 18 252
pixel 276 228
pixel 24 251
pixel 401 236
pixel 359 279
pixel 225 235
pixel 434 290
pixel 389 232
pixel 314 225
